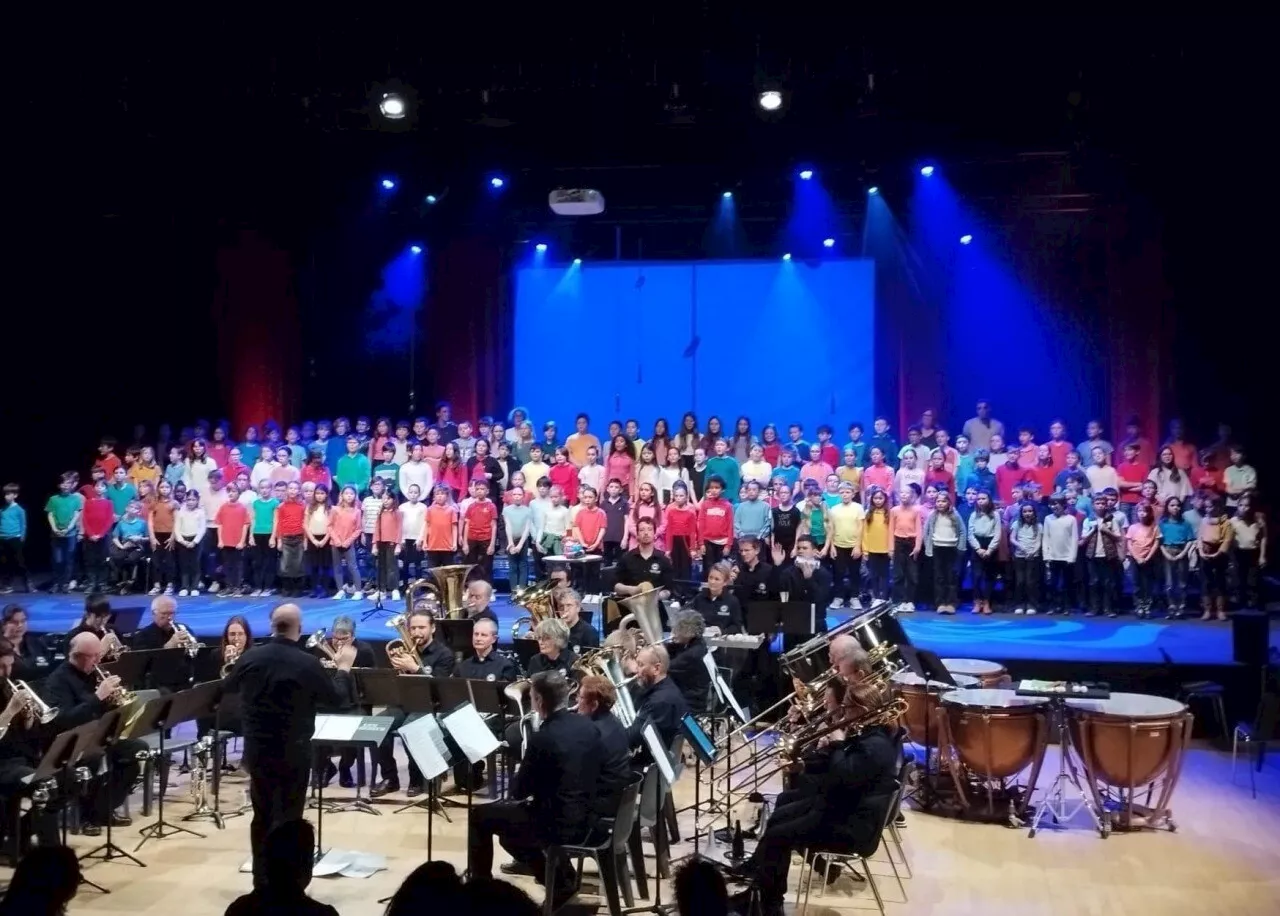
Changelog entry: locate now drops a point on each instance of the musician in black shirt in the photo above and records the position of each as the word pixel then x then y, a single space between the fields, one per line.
pixel 597 699
pixel 21 749
pixel 558 777
pixel 553 649
pixel 661 704
pixel 716 603
pixel 477 598
pixel 752 579
pixel 646 564
pixel 807 580
pixel 162 633
pixel 582 635
pixel 75 690
pixel 281 688
pixel 688 669
pixel 487 664
pixel 436 661
pixel 341 636
pixel 97 611
pixel 30 662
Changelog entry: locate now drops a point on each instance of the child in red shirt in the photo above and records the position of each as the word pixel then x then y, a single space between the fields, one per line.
pixel 480 529
pixel 386 545
pixel 1043 474
pixel 715 523
pixel 828 452
pixel 1008 475
pixel 107 458
pixel 564 475
pixel 96 521
pixel 441 528
pixel 938 475
pixel 1058 446
pixel 232 525
pixel 1131 472
pixel 682 531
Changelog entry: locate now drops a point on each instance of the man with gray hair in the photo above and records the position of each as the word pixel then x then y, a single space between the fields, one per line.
pixel 477 598
pixel 660 703
pixel 553 793
pixel 849 658
pixel 688 667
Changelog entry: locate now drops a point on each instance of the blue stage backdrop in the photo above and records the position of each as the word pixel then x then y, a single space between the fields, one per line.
pixel 780 341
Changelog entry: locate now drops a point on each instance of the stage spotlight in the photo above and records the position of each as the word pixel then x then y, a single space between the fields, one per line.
pixel 771 100
pixel 577 261
pixel 727 195
pixel 828 243
pixel 966 239
pixel 388 184
pixel 392 106
pixel 415 249
pixel 927 171
pixel 806 174
pixel 495 182
pixel 431 198
pixel 541 248
pixel 787 256
pixel 872 191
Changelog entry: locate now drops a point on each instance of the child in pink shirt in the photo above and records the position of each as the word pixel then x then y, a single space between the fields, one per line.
pixel 1143 540
pixel 906 527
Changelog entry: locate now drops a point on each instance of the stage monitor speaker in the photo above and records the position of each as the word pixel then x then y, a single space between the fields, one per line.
pixel 1250 638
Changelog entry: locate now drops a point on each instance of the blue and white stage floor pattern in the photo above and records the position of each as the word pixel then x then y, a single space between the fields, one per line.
pixel 1002 636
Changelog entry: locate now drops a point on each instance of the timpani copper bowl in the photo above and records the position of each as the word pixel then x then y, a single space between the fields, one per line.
pixel 1131 745
pixel 989 674
pixel 922 700
pixel 991 736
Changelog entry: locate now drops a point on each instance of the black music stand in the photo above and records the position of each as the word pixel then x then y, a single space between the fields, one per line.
pixel 927 665
pixel 226 704
pixel 415 694
pixel 451 693
pixel 369 734
pixel 50 771
pixel 526 649
pixel 131 668
pixel 99 738
pixel 169 669
pixel 159 715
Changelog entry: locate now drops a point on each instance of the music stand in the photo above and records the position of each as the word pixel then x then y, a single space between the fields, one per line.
pixel 415 694
pixel 490 701
pixel 526 649
pixel 369 732
pixel 169 669
pixel 927 665
pixel 158 715
pixel 124 620
pixel 91 740
pixel 226 704
pixel 205 700
pixel 450 694
pixel 463 724
pixel 130 667
pixel 52 769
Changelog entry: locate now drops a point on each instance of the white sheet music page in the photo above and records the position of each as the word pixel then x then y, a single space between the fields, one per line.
pixel 335 728
pixel 424 740
pixel 660 755
pixel 466 727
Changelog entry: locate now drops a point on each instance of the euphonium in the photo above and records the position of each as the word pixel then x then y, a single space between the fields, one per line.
pixel 538 600
pixel 404 644
pixel 122 696
pixel 643 614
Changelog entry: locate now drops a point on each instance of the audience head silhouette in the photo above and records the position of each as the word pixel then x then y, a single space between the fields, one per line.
pixel 701 890
pixel 46 880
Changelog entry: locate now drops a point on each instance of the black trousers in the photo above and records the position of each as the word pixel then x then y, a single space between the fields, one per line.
pixel 440 558
pixel 792 825
pixel 95 561
pixel 1102 579
pixel 711 555
pixel 188 566
pixel 513 823
pixel 110 793
pixel 388 572
pixel 412 555
pixel 478 553
pixel 125 562
pixel 906 570
pixel 13 788
pixel 846 567
pixel 278 793
pixel 162 561
pixel 945 572
pixel 263 571
pixel 878 575
pixel 1027 573
pixel 1248 577
pixel 1062 583
pixel 233 566
pixel 387 751
pixel 13 562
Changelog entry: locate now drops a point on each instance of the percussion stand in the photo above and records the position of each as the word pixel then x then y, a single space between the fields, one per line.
pixel 1056 801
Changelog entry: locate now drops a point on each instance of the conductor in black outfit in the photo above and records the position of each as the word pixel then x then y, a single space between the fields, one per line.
pixel 555 787
pixel 437 661
pixel 281 686
pixel 688 669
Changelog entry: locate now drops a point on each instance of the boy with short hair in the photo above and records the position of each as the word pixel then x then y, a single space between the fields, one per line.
pixel 535 469
pixel 715 523
pixel 336 447
pixel 616 509
pixel 751 517
pixel 120 492
pixel 1059 447
pixel 401 442
pixel 795 439
pixel 96 524
pixel 107 458
pixel 915 444
pixel 1095 440
pixel 1131 473
pixel 883 441
pixel 1238 478
pixel 1028 451
pixel 857 443
pixel 353 468
pixel 13 537
pixel 1102 476
pixel 480 528
pixel 129 542
pixel 465 441
pixel 1071 470
pixel 724 466
pixel 983 479
pixel 1008 476
pixel 829 453
pixel 387 470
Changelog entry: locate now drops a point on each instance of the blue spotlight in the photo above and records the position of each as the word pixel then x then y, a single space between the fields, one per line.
pixel 495 182
pixel 431 198
pixel 727 195
pixel 806 174
pixel 388 184
pixel 577 261
pixel 872 191
pixel 966 239
pixel 828 243
pixel 415 249
pixel 541 247
pixel 787 256
pixel 927 171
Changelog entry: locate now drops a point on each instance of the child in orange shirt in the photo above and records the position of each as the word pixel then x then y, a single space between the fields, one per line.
pixel 907 529
pixel 442 529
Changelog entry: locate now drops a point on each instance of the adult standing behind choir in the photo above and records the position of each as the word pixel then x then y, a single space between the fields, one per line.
pixel 281 686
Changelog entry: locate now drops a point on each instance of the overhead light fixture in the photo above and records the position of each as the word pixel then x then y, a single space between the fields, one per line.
pixel 966 239
pixel 787 256
pixel 927 171
pixel 828 243
pixel 727 195
pixel 392 106
pixel 496 183
pixel 388 184
pixel 415 249
pixel 873 191
pixel 806 174
pixel 541 247
pixel 770 100
pixel 577 261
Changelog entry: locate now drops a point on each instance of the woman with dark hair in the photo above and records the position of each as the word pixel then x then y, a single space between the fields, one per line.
pixel 715 430
pixel 44 883
pixel 687 439
pixel 437 882
pixel 237 638
pixel 661 439
pixel 30 662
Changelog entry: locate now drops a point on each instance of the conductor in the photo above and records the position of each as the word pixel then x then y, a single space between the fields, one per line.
pixel 281 686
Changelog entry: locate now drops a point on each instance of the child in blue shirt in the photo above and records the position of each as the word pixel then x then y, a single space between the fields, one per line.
pixel 858 444
pixel 13 537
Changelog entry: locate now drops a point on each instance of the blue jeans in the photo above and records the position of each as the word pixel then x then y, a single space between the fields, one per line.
pixel 518 569
pixel 63 553
pixel 1175 583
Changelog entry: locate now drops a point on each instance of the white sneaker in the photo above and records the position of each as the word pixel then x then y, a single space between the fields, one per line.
pixel 357 596
pixel 155 590
pixel 395 594
pixel 196 591
pixel 168 590
pixel 1030 611
pixel 213 588
pixel 837 602
pixel 855 604
pixel 256 593
pixel 339 596
pixel 911 606
pixel 906 607
pixel 1019 610
pixel 71 586
pixel 183 593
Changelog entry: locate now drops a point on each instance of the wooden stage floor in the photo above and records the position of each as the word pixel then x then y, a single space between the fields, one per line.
pixel 1222 859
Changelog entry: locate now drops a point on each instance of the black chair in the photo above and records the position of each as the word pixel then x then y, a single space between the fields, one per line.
pixel 849 857
pixel 610 854
pixel 1261 730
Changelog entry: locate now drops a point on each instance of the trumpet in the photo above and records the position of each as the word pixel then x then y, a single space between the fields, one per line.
pixel 187 640
pixel 320 640
pixel 33 707
pixel 231 655
pixel 403 645
pixel 122 695
pixel 112 647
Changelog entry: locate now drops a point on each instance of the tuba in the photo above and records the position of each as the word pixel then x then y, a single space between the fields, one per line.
pixel 403 644
pixel 443 597
pixel 538 600
pixel 643 614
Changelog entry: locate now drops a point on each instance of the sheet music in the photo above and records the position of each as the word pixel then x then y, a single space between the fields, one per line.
pixel 722 689
pixel 424 740
pixel 335 728
pixel 466 727
pixel 659 753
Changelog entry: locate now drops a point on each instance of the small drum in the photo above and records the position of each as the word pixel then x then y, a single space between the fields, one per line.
pixel 1130 743
pixel 989 674
pixel 922 700
pixel 994 735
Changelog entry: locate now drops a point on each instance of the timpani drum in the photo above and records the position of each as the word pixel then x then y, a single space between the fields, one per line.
pixel 989 674
pixel 1131 744
pixel 992 735
pixel 922 700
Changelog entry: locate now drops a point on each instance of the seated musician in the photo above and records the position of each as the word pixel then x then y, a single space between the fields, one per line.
pixel 752 578
pixel 30 661
pixel 97 611
pixel 660 702
pixel 553 793
pixel 485 664
pixel 553 645
pixel 808 581
pixel 163 633
pixel 74 687
pixel 716 603
pixel 844 807
pixel 582 635
pixel 237 637
pixel 341 635
pixel 687 650
pixel 477 598
pixel 22 740
pixel 597 698
pixel 434 659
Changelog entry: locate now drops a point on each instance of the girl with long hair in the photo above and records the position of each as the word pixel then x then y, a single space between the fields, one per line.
pixel 645 506
pixel 714 431
pixel 453 471
pixel 661 439
pixel 984 539
pixel 770 444
pixel 687 439
pixel 741 441
pixel 876 543
pixel 316 528
pixel 1213 542
pixel 1171 481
